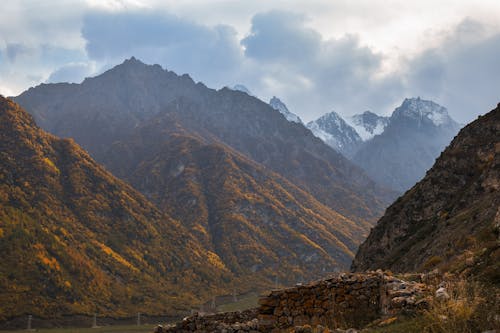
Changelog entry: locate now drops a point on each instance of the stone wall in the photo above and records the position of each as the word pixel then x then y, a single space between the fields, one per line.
pixel 345 300
pixel 228 322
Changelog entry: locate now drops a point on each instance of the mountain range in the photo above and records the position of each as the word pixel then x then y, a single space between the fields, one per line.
pixel 230 182
pixel 180 192
pixel 108 108
pixel 395 151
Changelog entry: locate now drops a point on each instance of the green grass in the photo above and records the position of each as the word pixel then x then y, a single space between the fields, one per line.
pixel 245 303
pixel 104 329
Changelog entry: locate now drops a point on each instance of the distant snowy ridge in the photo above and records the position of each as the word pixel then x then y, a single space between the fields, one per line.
pixel 423 111
pixel 336 132
pixel 416 133
pixel 368 124
pixel 277 104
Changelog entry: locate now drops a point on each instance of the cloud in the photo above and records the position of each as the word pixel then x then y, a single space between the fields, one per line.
pixel 22 66
pixel 15 50
pixel 280 36
pixel 280 53
pixel 209 53
pixel 312 74
pixel 463 73
pixel 72 72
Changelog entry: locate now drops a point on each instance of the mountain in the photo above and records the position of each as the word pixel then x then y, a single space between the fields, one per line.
pixel 451 219
pixel 108 108
pixel 253 219
pixel 277 104
pixel 368 124
pixel 335 132
pixel 75 239
pixel 415 135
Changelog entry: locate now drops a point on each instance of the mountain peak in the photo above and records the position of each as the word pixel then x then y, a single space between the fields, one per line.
pixel 415 135
pixel 424 111
pixel 368 124
pixel 278 105
pixel 334 131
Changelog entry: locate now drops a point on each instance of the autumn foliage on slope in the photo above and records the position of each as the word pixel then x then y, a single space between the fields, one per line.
pixel 75 239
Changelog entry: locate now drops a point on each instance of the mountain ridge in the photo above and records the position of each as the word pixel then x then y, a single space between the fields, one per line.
pixel 242 122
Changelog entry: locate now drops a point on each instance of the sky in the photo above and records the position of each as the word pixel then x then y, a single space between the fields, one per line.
pixel 317 56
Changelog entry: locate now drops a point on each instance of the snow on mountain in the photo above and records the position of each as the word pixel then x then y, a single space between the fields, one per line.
pixel 337 133
pixel 423 112
pixel 368 124
pixel 415 135
pixel 277 104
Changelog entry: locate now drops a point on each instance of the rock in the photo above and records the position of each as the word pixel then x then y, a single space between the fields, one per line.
pixel 442 294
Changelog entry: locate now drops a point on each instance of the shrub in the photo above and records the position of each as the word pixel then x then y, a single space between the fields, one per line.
pixel 470 308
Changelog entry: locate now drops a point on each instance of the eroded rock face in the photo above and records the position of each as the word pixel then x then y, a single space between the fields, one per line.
pixel 449 217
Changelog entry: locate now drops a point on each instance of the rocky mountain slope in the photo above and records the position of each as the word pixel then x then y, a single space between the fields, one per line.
pixel 451 218
pixel 107 108
pixel 253 219
pixel 416 134
pixel 75 239
pixel 335 132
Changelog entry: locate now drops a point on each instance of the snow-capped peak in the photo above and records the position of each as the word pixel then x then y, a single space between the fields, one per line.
pixel 278 105
pixel 368 124
pixel 423 110
pixel 335 132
